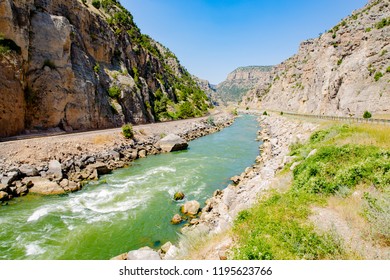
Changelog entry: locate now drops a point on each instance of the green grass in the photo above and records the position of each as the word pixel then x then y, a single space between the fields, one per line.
pixel 276 228
pixel 347 156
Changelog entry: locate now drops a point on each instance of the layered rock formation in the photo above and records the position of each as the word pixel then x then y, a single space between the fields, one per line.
pixel 242 80
pixel 345 71
pixel 72 65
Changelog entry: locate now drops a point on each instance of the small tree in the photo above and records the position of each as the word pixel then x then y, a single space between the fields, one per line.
pixel 127 130
pixel 367 115
pixel 96 4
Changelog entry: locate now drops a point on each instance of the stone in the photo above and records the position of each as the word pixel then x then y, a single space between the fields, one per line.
pixel 121 257
pixel 144 253
pixel 166 247
pixel 172 142
pixel 22 190
pixel 236 179
pixel 294 165
pixel 312 153
pixel 55 169
pixel 28 170
pixel 178 196
pixel 171 253
pixel 3 187
pixel 3 196
pixel 43 186
pixel 176 219
pixel 101 168
pixel 190 208
pixel 142 154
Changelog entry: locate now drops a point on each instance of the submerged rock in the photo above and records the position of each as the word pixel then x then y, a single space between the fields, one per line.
pixel 178 196
pixel 171 143
pixel 176 219
pixel 144 253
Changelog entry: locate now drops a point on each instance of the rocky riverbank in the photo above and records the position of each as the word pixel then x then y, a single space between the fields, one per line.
pixel 61 164
pixel 219 211
pixel 217 216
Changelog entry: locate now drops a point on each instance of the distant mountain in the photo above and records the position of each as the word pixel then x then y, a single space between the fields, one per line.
pixel 241 81
pixel 345 71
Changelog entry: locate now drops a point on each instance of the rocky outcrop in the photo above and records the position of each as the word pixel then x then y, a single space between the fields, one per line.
pixel 343 72
pixel 242 80
pixel 171 143
pixel 70 66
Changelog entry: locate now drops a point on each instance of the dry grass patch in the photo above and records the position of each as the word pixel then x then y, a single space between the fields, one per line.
pixel 102 139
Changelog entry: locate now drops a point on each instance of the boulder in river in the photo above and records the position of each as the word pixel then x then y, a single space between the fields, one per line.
pixel 43 186
pixel 176 219
pixel 178 196
pixel 190 208
pixel 144 253
pixel 172 142
pixel 3 196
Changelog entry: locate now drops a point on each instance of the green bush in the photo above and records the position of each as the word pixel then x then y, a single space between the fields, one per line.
pixel 377 76
pixel 127 130
pixel 281 113
pixel 114 92
pixel 388 69
pixel 210 121
pixel 384 22
pixel 96 4
pixel 265 113
pixel 332 168
pixel 96 68
pixel 367 115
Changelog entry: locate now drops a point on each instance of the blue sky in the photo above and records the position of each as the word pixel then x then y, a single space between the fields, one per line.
pixel 213 37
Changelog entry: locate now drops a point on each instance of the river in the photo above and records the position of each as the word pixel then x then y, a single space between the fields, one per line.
pixel 130 208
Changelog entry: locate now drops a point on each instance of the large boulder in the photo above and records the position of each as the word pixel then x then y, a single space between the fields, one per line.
pixel 28 170
pixel 3 196
pixel 43 186
pixel 171 143
pixel 190 208
pixel 55 169
pixel 144 253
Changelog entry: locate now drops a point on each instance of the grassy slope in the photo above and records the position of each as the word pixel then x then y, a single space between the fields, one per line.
pixel 350 161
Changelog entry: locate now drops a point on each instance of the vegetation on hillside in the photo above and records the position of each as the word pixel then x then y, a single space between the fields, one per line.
pixel 178 95
pixel 349 161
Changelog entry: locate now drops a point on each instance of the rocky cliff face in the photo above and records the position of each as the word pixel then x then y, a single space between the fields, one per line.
pixel 74 65
pixel 242 80
pixel 345 71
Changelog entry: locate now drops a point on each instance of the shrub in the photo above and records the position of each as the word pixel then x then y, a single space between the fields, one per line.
pixel 127 130
pixel 235 113
pixel 281 113
pixel 114 92
pixel 210 121
pixel 96 68
pixel 384 22
pixel 265 113
pixel 368 29
pixel 388 69
pixel 339 61
pixel 367 115
pixel 96 4
pixel 377 76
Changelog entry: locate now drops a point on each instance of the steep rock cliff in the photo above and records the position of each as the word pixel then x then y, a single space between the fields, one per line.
pixel 345 71
pixel 74 65
pixel 242 80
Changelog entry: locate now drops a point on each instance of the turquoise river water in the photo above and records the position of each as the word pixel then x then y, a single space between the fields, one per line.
pixel 130 208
